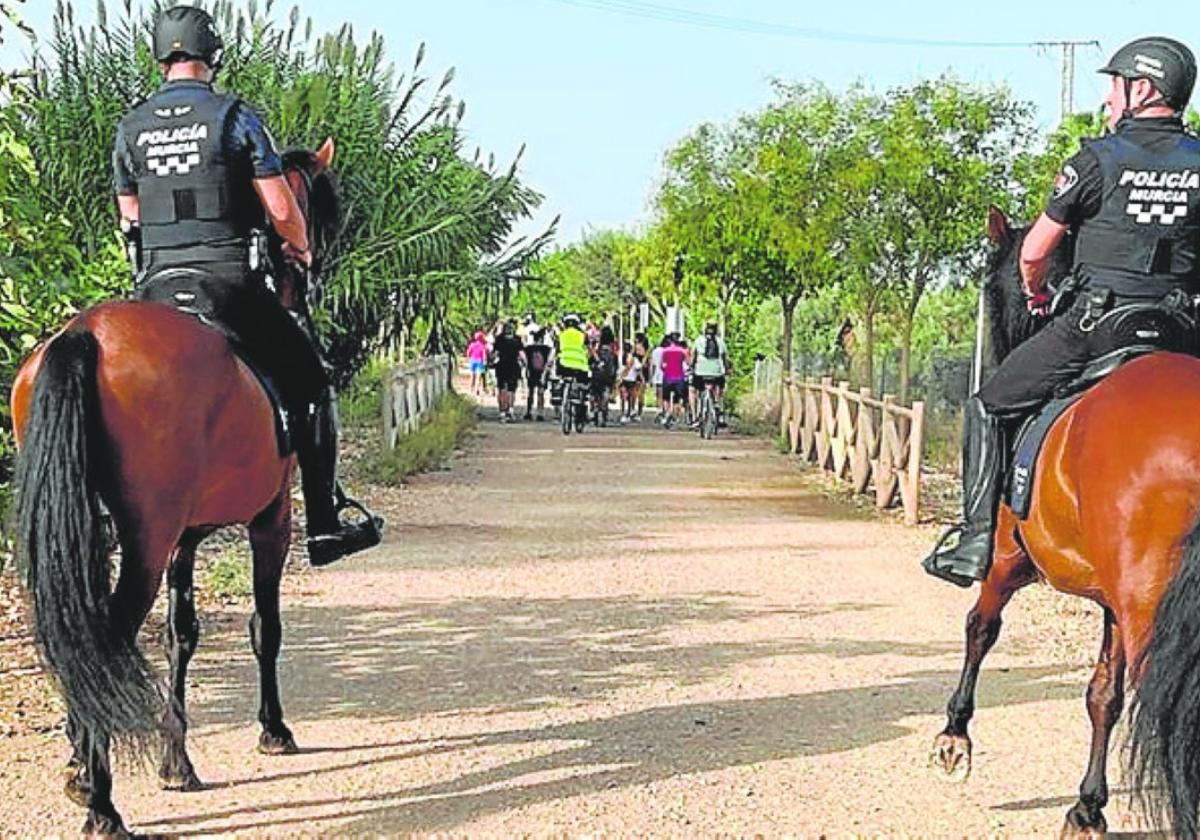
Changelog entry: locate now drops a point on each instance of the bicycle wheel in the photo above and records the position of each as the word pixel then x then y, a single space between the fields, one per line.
pixel 708 415
pixel 568 409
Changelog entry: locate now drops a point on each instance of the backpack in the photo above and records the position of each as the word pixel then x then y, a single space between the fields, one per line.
pixel 712 347
pixel 537 358
pixel 606 364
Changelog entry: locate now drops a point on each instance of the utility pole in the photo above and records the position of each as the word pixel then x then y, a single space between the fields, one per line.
pixel 1067 93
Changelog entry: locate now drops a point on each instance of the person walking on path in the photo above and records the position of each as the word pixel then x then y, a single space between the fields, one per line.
pixel 656 376
pixel 537 362
pixel 641 349
pixel 631 377
pixel 674 380
pixel 477 359
pixel 508 353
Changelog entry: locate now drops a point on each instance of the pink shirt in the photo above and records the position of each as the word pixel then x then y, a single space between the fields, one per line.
pixel 673 359
pixel 477 351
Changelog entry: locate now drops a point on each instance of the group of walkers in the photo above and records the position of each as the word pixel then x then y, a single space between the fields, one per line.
pixel 625 371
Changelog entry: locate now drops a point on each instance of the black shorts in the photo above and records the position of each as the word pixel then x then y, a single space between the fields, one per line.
pixel 507 378
pixel 675 389
pixel 533 378
pixel 698 382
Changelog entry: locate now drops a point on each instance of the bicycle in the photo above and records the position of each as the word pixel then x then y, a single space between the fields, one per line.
pixel 574 406
pixel 707 411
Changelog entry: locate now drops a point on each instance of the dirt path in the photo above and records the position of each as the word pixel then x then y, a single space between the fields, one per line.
pixel 624 632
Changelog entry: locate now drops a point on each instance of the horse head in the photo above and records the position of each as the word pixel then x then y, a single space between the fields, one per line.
pixel 1008 316
pixel 318 195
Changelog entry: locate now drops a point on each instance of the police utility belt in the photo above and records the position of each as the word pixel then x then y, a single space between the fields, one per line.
pixel 1168 323
pixel 258 258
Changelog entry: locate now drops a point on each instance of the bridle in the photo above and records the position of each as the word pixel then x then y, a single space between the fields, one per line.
pixel 300 180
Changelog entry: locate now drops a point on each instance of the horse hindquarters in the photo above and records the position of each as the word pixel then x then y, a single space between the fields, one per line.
pixel 1165 727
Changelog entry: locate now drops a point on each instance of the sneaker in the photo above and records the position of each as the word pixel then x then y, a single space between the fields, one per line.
pixel 541 418
pixel 529 416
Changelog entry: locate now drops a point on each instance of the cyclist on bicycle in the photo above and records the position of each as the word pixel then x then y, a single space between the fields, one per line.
pixel 710 365
pixel 573 356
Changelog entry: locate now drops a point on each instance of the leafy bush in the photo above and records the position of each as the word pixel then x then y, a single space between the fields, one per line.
pixel 453 418
pixel 361 403
pixel 227 575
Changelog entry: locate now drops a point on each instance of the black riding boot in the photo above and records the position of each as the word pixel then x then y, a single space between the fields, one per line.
pixel 328 537
pixel 983 458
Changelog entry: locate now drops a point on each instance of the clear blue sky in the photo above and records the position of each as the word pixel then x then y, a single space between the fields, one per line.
pixel 597 95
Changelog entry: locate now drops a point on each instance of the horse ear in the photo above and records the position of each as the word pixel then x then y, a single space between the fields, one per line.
pixel 999 230
pixel 324 155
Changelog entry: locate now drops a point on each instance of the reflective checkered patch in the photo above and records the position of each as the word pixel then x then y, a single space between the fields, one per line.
pixel 173 165
pixel 1145 214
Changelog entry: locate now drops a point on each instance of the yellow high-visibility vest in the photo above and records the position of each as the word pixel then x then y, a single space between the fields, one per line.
pixel 572 349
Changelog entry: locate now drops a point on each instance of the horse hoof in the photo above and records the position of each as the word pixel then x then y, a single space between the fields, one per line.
pixel 187 782
pixel 105 828
pixel 76 787
pixel 269 744
pixel 1081 825
pixel 951 756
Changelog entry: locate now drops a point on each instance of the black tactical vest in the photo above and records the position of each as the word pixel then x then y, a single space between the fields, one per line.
pixel 1143 242
pixel 189 191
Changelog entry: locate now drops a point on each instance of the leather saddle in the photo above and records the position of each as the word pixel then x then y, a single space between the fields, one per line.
pixel 1122 334
pixel 188 300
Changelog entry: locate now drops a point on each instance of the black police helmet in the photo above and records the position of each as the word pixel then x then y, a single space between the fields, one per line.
pixel 1166 62
pixel 187 32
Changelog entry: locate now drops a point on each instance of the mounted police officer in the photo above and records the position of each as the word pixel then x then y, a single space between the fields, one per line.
pixel 1132 199
pixel 196 172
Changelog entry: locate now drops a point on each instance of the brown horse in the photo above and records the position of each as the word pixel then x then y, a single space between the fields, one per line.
pixel 148 410
pixel 1115 519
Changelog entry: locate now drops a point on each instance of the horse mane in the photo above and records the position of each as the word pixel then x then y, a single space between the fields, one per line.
pixel 1008 318
pixel 325 197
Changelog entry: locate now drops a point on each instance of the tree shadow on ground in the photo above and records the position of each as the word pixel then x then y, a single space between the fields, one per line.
pixel 486 656
pixel 633 749
pixel 496 655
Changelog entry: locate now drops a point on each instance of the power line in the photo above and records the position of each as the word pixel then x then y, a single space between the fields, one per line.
pixel 671 14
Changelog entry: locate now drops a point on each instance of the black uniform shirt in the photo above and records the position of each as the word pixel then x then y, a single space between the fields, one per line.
pixel 1079 187
pixel 246 138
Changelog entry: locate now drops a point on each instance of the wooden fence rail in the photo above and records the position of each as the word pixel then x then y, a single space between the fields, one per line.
pixel 874 444
pixel 410 392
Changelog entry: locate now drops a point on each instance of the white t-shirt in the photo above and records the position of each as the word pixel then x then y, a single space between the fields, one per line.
pixel 635 369
pixel 656 366
pixel 705 366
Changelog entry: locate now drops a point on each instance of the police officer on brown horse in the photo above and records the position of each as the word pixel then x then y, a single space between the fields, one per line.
pixel 195 173
pixel 1132 200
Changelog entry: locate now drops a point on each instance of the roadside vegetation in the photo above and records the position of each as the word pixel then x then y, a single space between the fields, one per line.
pixel 450 423
pixel 425 242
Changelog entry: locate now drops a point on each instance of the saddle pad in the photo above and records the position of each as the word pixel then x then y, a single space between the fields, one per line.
pixel 1029 444
pixel 284 438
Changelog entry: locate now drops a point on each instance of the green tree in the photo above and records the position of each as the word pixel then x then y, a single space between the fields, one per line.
pixel 945 152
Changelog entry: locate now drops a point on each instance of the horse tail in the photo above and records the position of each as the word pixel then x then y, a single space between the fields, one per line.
pixel 1164 737
pixel 107 684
